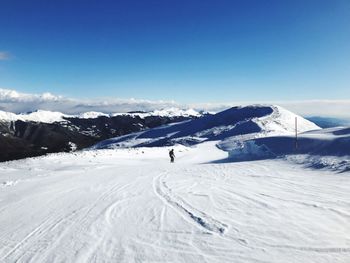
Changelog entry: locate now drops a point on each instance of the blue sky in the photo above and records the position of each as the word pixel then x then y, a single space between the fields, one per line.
pixel 187 51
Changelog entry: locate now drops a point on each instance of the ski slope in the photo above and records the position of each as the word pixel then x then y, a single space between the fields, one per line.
pixel 132 205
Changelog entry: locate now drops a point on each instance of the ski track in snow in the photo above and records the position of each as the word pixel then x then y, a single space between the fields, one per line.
pixel 133 206
pixel 205 221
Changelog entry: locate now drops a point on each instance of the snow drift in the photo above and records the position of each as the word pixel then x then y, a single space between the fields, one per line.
pixel 311 147
pixel 334 141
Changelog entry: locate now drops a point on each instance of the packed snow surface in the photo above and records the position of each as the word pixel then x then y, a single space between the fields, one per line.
pixel 132 205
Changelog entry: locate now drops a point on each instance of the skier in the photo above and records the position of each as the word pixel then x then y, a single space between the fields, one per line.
pixel 172 155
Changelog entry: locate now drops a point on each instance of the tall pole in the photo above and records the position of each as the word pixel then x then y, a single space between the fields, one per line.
pixel 296 133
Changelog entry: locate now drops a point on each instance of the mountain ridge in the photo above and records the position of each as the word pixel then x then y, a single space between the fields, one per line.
pixel 45 116
pixel 255 120
pixel 42 132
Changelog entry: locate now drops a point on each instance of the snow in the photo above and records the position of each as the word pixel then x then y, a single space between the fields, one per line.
pixel 171 112
pixel 43 116
pixel 8 116
pixel 219 202
pixel 37 116
pixel 251 132
pixel 282 121
pixel 92 115
pixel 132 205
pixel 168 112
pixel 251 121
pixel 312 145
pixel 54 116
pixel 73 146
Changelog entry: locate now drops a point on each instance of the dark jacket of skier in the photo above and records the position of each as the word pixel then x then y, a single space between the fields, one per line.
pixel 172 155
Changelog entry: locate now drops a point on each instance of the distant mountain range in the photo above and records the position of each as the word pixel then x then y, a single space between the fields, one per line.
pixel 53 116
pixel 237 122
pixel 41 132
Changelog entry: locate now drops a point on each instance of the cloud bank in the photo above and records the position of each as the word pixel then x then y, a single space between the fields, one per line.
pixel 17 102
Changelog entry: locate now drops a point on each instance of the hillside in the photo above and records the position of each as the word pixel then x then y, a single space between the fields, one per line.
pixel 319 148
pixel 251 133
pixel 249 121
pixel 41 132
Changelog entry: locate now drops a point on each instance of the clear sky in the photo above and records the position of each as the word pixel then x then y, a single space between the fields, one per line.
pixel 183 50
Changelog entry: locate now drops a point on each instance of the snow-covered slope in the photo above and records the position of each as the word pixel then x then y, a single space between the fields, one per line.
pixel 92 115
pixel 250 121
pixel 325 142
pixel 132 205
pixel 251 133
pixel 36 116
pixel 43 116
pixel 282 121
pixel 8 116
pixel 53 116
pixel 170 112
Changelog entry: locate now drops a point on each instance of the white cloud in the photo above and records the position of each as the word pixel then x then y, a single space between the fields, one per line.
pixel 13 101
pixel 4 55
pixel 17 102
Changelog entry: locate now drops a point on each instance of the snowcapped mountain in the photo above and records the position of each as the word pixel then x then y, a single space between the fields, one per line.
pixel 43 116
pixel 36 116
pixel 54 116
pixel 245 132
pixel 8 116
pixel 91 115
pixel 170 112
pixel 40 132
pixel 250 133
pixel 250 121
